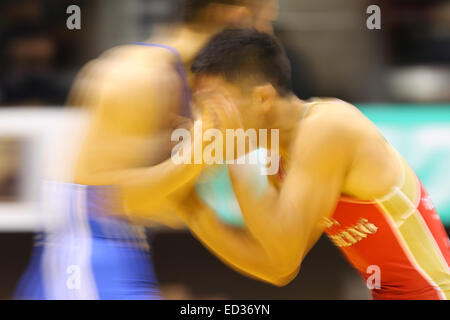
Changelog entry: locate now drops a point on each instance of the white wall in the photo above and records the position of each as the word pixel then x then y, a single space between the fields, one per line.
pixel 51 142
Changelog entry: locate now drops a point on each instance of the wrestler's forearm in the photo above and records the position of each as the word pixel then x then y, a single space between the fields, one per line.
pixel 157 181
pixel 288 223
pixel 237 248
pixel 277 224
pixel 259 213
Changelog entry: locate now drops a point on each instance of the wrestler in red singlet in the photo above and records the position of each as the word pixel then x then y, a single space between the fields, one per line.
pixel 400 236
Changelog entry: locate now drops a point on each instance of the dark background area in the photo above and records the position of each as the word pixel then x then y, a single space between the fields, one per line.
pixel 186 270
pixel 332 51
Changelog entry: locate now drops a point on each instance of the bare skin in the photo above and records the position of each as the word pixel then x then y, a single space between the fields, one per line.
pixel 334 151
pixel 133 95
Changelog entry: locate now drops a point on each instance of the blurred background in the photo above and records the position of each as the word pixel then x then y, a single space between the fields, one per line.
pixel 399 76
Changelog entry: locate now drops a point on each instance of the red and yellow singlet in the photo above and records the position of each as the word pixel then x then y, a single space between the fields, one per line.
pixel 401 235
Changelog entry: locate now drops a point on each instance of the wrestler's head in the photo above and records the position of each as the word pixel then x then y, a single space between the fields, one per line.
pixel 249 69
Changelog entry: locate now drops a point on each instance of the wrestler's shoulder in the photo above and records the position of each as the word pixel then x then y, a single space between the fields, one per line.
pixel 130 61
pixel 338 117
pixel 129 69
pixel 142 55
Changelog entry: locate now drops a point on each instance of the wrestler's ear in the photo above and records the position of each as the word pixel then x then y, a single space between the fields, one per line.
pixel 264 97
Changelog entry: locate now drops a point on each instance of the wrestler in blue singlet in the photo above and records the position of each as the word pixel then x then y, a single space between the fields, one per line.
pixel 87 251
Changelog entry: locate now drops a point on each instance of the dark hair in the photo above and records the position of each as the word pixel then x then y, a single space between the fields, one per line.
pixel 246 54
pixel 192 8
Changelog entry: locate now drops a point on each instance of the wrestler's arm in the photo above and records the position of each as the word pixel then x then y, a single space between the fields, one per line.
pixel 286 224
pixel 234 246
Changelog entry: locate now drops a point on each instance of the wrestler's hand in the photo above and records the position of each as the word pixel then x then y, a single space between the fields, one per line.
pixel 218 111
